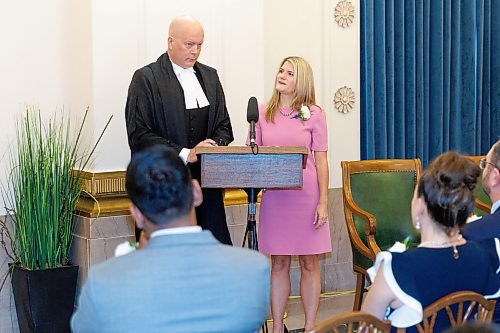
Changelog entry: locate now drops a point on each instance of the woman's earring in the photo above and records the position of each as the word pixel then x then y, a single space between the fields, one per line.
pixel 417 224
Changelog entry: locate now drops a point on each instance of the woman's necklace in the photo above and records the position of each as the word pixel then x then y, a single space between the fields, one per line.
pixel 445 244
pixel 286 114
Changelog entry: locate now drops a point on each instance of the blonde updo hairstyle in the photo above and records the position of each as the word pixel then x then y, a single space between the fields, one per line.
pixel 447 186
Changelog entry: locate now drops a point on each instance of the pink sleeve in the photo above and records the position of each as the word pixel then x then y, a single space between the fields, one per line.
pixel 319 130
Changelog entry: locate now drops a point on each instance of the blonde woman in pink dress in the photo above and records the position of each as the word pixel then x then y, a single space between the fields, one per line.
pixel 295 222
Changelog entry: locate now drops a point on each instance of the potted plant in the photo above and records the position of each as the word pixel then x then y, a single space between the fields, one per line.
pixel 43 187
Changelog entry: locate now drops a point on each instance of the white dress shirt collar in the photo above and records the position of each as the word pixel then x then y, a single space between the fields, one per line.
pixel 176 231
pixel 495 206
pixel 194 96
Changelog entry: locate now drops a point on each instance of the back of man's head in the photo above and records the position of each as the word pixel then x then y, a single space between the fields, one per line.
pixel 159 184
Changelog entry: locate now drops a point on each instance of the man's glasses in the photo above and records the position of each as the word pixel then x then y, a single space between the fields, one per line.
pixel 483 163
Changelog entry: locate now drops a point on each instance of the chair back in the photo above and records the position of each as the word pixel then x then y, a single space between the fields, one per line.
pixel 353 321
pixel 483 201
pixel 456 309
pixel 377 204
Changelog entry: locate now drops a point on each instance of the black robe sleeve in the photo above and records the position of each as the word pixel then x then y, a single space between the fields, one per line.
pixel 222 132
pixel 141 113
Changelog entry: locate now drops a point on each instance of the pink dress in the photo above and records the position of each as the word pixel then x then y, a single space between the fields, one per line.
pixel 286 216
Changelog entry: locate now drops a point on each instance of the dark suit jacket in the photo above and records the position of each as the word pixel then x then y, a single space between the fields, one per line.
pixel 177 283
pixel 486 227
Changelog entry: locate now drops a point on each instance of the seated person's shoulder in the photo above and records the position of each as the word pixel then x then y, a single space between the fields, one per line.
pixel 488 247
pixel 482 228
pixel 244 255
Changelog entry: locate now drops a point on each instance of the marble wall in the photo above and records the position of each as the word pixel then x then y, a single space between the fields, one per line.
pixel 8 317
pixel 96 239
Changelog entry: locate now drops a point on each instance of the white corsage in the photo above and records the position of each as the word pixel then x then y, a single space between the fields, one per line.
pixel 126 248
pixel 472 218
pixel 304 114
pixel 400 247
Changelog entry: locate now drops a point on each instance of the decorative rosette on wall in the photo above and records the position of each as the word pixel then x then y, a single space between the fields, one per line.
pixel 344 13
pixel 344 99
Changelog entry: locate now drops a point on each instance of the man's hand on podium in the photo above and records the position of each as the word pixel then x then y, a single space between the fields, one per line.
pixel 192 158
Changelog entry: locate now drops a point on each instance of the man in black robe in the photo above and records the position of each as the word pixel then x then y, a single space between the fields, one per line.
pixel 179 102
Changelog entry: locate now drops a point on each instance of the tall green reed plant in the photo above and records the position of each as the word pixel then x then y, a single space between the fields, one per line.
pixel 43 189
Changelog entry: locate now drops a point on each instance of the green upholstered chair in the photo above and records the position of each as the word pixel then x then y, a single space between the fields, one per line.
pixel 483 201
pixel 377 206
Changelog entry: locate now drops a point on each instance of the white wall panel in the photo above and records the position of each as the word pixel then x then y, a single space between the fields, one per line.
pixel 116 50
pixel 79 53
pixel 342 60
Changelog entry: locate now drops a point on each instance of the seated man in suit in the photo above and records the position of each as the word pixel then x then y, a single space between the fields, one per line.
pixel 488 226
pixel 183 279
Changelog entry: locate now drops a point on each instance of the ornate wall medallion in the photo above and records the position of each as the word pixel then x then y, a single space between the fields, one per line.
pixel 344 13
pixel 344 99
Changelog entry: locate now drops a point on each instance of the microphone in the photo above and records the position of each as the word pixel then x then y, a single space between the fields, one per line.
pixel 252 118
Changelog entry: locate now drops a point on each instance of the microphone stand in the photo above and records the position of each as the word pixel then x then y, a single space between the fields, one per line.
pixel 251 229
pixel 255 148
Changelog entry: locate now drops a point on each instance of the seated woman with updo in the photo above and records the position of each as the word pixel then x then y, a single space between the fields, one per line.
pixel 444 262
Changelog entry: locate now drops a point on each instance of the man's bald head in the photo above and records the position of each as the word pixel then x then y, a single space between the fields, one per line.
pixel 182 23
pixel 185 38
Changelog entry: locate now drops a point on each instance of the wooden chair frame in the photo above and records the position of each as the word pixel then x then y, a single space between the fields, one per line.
pixel 353 321
pixel 350 207
pixel 485 310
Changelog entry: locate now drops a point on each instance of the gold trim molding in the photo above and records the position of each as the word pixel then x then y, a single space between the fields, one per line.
pixel 104 194
pixel 233 197
pixel 103 183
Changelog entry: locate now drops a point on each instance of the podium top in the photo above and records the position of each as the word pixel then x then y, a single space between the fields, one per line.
pixel 266 150
pixel 238 167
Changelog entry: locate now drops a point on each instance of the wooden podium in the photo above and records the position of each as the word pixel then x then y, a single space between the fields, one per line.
pixel 252 170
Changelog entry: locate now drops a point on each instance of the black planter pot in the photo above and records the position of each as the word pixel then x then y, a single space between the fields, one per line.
pixel 44 298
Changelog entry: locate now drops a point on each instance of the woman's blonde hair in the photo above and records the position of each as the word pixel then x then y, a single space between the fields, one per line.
pixel 304 88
